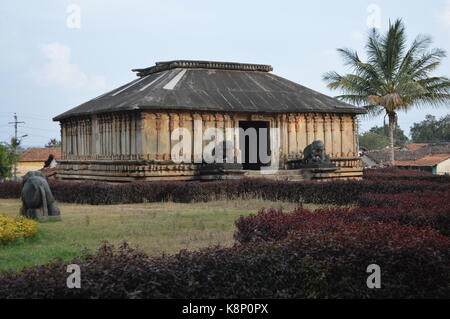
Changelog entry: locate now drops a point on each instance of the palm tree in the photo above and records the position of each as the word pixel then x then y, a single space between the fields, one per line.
pixel 393 79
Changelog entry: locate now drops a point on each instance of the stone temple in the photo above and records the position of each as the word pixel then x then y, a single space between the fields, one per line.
pixel 127 134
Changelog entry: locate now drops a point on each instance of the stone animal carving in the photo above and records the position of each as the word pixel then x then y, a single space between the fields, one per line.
pixel 314 153
pixel 37 198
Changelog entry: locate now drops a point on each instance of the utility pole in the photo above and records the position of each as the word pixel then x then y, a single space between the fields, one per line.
pixel 16 141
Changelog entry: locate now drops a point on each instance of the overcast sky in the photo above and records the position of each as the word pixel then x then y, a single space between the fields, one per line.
pixel 51 61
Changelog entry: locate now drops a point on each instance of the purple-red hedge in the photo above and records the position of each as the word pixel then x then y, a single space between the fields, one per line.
pixel 419 209
pixel 397 174
pixel 329 263
pixel 335 192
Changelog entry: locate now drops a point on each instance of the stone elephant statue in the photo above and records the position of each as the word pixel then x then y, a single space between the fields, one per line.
pixel 314 153
pixel 37 199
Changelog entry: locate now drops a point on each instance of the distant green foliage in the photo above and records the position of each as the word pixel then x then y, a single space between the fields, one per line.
pixel 7 160
pixel 431 130
pixel 53 143
pixel 378 137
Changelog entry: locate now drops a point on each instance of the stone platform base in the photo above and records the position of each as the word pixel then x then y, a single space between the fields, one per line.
pixel 144 170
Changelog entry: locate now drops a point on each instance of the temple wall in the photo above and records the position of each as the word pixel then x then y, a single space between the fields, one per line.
pixel 138 145
pixel 148 134
pixel 101 136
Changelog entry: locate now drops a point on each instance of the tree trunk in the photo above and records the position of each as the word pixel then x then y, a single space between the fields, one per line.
pixel 392 124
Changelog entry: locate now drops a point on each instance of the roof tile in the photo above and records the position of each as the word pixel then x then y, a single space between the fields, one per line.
pixel 36 154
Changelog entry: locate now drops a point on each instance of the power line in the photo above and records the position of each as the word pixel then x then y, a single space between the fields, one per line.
pixel 16 141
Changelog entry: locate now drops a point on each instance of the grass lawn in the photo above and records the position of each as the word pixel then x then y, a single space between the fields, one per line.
pixel 155 227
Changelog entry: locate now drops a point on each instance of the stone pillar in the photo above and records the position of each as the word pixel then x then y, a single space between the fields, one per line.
pixel 237 151
pixel 355 136
pixel 341 128
pixel 309 118
pixel 108 135
pixel 185 122
pixel 100 145
pixel 89 137
pixel 229 137
pixel 123 134
pixel 76 140
pixel 94 135
pixel 70 138
pixel 112 135
pixel 284 137
pixel 174 122
pixel 336 133
pixel 162 120
pixel 150 131
pixel 328 135
pixel 301 133
pixel 119 134
pixel 126 134
pixel 292 136
pixel 320 130
pixel 197 137
pixel 133 130
pixel 140 141
pixel 348 136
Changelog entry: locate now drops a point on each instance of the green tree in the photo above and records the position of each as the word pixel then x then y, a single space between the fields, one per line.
pixel 7 159
pixel 378 137
pixel 431 130
pixel 53 143
pixel 373 141
pixel 394 78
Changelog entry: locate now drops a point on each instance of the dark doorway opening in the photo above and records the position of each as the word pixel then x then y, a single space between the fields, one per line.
pixel 254 144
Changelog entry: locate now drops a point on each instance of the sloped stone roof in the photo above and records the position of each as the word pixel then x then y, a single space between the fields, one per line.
pixel 211 86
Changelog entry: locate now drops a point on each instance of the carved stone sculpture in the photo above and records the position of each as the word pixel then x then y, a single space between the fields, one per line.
pixel 314 153
pixel 37 199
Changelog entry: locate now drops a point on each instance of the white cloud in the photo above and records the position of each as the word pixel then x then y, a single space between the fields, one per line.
pixel 445 15
pixel 59 71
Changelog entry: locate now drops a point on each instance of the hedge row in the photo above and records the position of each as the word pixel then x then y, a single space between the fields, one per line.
pixel 394 171
pixel 335 192
pixel 419 209
pixel 395 174
pixel 325 263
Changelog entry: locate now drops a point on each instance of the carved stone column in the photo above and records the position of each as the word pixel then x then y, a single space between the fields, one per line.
pixel 355 136
pixel 150 131
pixel 336 134
pixel 320 129
pixel 309 128
pixel 328 135
pixel 174 122
pixel 292 136
pixel 163 136
pixel 197 138
pixel 237 151
pixel 341 128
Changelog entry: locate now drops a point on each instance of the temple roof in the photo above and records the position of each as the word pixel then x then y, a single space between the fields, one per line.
pixel 211 86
